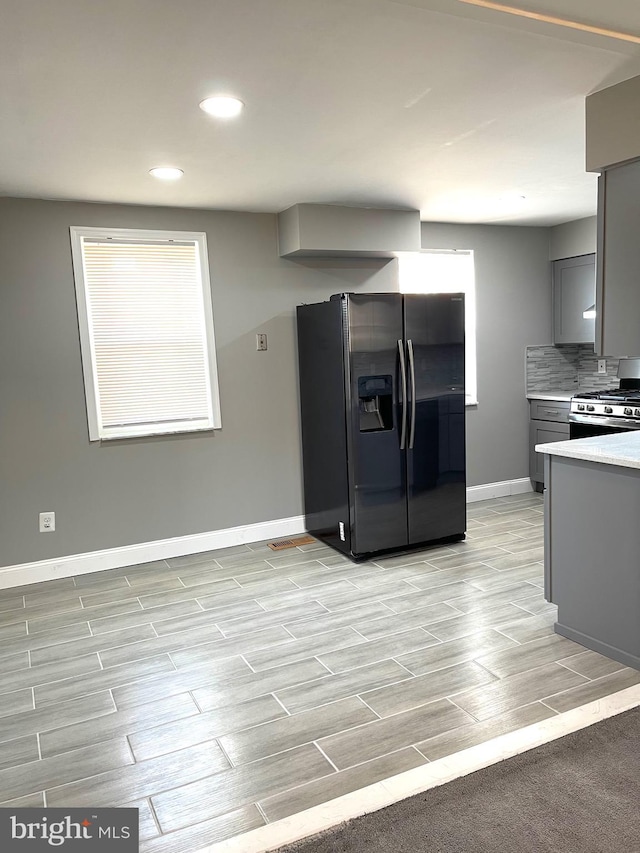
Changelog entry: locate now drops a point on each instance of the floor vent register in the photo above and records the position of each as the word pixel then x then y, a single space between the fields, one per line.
pixel 281 544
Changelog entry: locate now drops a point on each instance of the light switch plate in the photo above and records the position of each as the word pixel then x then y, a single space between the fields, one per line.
pixel 602 365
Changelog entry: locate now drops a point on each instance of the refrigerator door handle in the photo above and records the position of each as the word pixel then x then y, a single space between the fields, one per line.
pixel 403 374
pixel 412 372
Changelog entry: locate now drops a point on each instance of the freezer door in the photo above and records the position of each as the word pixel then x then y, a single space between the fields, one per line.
pixel 321 369
pixel 436 486
pixel 375 401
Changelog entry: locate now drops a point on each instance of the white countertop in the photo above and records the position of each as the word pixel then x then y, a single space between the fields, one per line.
pixel 621 448
pixel 558 394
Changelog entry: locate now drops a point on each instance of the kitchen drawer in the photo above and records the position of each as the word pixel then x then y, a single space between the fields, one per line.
pixel 550 410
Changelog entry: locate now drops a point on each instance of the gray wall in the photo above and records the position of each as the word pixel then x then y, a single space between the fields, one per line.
pixel 513 296
pixel 119 493
pixel 573 238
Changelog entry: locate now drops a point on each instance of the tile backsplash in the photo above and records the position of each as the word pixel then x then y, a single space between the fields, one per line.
pixel 588 376
pixel 567 368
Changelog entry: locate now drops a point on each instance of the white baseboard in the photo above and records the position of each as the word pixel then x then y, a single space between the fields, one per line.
pixel 179 546
pixel 498 490
pixel 144 552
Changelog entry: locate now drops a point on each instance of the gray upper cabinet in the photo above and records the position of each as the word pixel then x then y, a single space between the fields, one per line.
pixel 618 274
pixel 574 290
pixel 335 231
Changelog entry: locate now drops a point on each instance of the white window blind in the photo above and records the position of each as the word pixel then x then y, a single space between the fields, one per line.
pixel 146 329
pixel 447 271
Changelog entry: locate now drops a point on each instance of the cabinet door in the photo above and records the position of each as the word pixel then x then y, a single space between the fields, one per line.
pixel 574 290
pixel 618 280
pixel 543 432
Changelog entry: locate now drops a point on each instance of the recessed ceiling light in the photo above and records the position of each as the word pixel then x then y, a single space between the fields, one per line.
pixel 222 106
pixel 166 173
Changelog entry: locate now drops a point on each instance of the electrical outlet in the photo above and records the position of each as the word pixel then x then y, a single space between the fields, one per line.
pixel 47 522
pixel 261 342
pixel 602 365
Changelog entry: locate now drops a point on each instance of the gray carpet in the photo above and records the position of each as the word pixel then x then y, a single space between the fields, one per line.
pixel 579 794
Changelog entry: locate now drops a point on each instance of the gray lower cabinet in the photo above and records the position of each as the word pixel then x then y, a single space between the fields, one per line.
pixel 592 539
pixel 574 291
pixel 549 422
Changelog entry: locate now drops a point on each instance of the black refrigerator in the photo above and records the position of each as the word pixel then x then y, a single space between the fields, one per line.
pixel 383 420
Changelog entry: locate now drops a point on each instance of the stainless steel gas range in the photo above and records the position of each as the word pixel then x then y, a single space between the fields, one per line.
pixel 610 410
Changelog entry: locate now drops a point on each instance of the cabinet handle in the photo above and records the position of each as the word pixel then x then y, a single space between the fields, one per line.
pixel 551 411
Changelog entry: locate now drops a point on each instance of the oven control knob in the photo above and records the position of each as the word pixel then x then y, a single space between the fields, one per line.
pixel 608 410
pixel 637 413
pixel 581 407
pixel 591 408
pixel 628 411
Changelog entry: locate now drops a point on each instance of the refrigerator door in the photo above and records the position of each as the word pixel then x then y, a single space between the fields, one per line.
pixel 376 405
pixel 436 484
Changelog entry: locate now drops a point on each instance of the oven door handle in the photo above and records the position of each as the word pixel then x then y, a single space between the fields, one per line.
pixel 613 424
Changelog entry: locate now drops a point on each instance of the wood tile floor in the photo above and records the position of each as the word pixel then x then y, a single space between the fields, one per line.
pixel 221 691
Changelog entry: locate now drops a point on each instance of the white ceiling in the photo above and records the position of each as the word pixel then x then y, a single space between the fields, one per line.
pixel 429 104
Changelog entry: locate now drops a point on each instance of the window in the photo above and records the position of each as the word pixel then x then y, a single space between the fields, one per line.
pixel 146 331
pixel 446 271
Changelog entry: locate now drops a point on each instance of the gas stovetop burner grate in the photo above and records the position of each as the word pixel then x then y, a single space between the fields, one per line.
pixel 612 394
